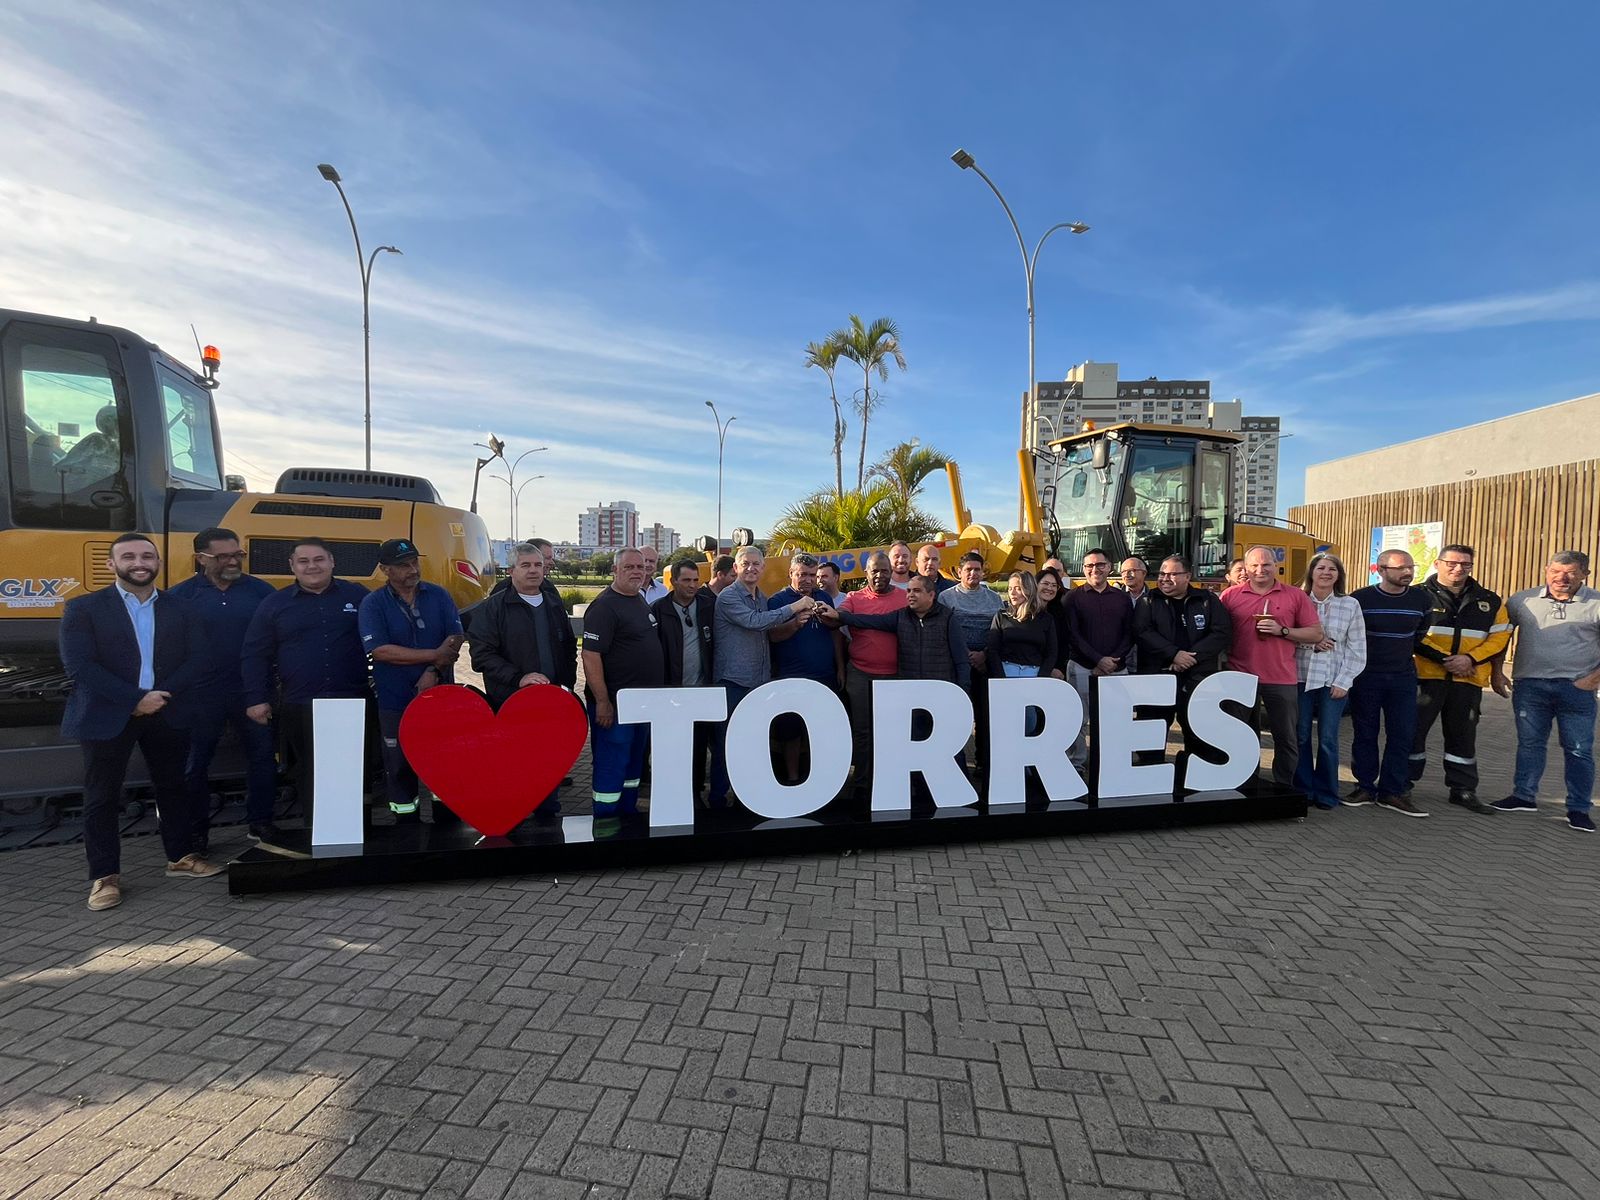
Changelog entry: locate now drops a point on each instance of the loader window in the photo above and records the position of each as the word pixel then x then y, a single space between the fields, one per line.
pixel 1158 505
pixel 67 427
pixel 191 444
pixel 1085 498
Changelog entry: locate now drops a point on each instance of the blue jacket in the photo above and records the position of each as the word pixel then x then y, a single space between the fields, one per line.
pixel 101 655
pixel 225 614
pixel 310 642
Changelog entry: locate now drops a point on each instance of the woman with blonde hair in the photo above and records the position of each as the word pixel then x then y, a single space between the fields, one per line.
pixel 1326 671
pixel 1022 637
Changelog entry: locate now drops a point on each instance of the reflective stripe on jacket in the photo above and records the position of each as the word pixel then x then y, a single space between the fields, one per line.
pixel 1475 623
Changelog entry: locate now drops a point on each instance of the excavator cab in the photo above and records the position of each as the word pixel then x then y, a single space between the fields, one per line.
pixel 1142 490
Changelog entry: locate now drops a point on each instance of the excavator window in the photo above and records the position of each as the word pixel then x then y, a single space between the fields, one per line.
pixel 191 444
pixel 66 422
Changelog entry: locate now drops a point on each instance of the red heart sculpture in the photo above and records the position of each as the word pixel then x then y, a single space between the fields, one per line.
pixel 493 769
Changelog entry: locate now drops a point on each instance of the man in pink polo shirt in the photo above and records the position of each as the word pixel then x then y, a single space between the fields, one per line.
pixel 874 654
pixel 1269 620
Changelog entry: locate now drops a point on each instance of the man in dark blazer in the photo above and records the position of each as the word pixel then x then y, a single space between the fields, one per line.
pixel 685 618
pixel 137 660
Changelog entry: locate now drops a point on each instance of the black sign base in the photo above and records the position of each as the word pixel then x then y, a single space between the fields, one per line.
pixel 415 853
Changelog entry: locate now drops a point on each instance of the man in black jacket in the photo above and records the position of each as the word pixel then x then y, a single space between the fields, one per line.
pixel 685 618
pixel 521 636
pixel 1182 629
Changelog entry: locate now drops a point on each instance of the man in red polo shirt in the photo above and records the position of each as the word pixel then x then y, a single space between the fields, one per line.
pixel 874 654
pixel 1269 620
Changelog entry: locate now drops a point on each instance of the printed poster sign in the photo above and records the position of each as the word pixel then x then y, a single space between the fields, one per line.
pixel 1420 539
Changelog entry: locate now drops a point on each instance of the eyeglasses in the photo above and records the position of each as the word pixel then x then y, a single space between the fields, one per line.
pixel 1097 566
pixel 1558 608
pixel 1171 574
pixel 804 560
pixel 236 556
pixel 687 623
pixel 1462 564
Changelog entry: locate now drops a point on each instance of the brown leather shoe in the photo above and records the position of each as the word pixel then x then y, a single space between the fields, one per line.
pixel 192 866
pixel 105 892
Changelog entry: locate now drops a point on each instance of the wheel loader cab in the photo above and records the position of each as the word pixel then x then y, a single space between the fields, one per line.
pixel 1148 491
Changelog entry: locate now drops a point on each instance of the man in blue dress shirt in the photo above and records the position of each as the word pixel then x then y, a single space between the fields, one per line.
pixel 304 644
pixel 413 633
pixel 223 599
pixel 136 660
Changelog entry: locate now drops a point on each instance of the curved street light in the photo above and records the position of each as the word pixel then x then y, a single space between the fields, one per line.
pixel 516 500
pixel 364 264
pixel 722 435
pixel 1030 407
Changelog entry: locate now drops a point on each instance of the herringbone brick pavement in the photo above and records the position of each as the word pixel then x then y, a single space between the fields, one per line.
pixel 1355 1006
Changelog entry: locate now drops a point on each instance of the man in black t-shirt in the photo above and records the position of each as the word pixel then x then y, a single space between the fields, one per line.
pixel 621 649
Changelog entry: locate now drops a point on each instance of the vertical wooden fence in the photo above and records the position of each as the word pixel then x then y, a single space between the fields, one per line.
pixel 1514 522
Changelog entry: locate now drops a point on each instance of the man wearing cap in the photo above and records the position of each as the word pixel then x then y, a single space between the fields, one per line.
pixel 412 632
pixel 303 645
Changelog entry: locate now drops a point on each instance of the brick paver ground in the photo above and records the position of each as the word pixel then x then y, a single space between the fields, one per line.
pixel 1355 1006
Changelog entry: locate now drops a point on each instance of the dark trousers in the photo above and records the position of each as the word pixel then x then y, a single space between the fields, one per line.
pixel 105 768
pixel 1455 706
pixel 261 770
pixel 294 744
pixel 1389 698
pixel 979 691
pixel 858 691
pixel 1280 703
pixel 400 781
pixel 717 796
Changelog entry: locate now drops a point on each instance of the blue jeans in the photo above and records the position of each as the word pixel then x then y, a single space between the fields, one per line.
pixel 1317 773
pixel 617 752
pixel 1391 698
pixel 261 771
pixel 1538 703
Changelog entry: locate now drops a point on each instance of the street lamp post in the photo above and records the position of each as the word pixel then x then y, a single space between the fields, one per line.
pixel 498 449
pixel 516 503
pixel 364 264
pixel 722 436
pixel 1030 405
pixel 1244 473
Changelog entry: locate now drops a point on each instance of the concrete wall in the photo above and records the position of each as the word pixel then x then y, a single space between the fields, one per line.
pixel 1568 432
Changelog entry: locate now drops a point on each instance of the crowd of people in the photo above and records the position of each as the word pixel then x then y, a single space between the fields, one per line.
pixel 169 672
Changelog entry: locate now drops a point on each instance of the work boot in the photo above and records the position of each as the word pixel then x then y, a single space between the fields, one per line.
pixel 1468 799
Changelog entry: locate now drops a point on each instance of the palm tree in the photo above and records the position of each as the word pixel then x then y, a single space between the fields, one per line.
pixel 906 466
pixel 870 347
pixel 825 521
pixel 826 355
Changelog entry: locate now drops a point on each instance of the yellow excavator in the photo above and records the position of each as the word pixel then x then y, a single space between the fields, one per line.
pixel 1129 489
pixel 105 433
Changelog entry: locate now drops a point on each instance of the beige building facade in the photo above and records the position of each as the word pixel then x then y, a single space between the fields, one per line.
pixel 1568 432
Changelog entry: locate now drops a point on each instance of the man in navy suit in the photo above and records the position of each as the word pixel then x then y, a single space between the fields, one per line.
pixel 136 659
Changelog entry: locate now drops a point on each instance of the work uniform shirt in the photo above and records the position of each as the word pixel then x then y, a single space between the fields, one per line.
pixel 311 641
pixel 387 620
pixel 622 631
pixel 226 614
pixel 1269 659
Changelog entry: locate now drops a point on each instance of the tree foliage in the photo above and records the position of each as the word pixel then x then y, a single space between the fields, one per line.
pixel 825 355
pixel 871 347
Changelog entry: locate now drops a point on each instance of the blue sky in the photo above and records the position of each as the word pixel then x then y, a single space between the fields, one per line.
pixel 1374 220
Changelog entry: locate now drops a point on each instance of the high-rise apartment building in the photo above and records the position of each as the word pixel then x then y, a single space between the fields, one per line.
pixel 1092 392
pixel 613 526
pixel 663 538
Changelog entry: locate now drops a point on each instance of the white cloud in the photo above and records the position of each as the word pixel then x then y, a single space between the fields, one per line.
pixel 127 214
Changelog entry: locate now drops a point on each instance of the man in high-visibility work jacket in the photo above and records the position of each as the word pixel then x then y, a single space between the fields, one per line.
pixel 1467 629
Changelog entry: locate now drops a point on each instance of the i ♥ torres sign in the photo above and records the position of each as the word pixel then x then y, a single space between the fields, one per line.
pixel 494 769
